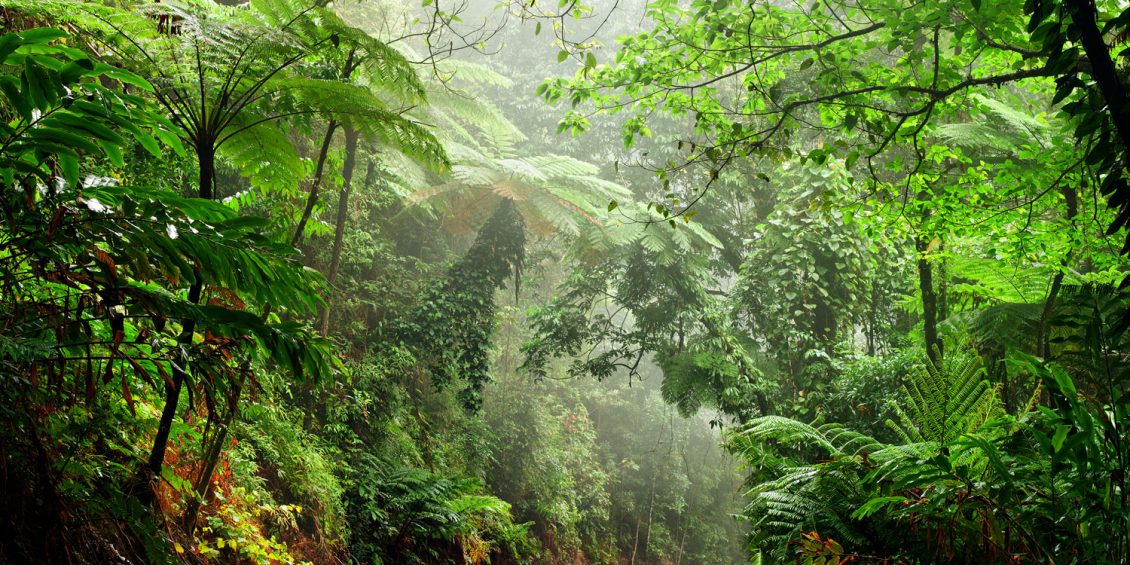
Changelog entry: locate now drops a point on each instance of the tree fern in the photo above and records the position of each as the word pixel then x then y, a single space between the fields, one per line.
pixel 553 193
pixel 1006 325
pixel 226 71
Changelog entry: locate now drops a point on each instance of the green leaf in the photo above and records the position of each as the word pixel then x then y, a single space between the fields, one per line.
pixel 113 153
pixel 42 35
pixel 148 143
pixel 874 505
pixel 69 164
pixel 123 76
pixel 171 140
pixel 38 86
pixel 8 43
pixel 10 86
pixel 1059 436
pixel 1065 384
pixel 65 137
pixel 562 55
pixel 72 71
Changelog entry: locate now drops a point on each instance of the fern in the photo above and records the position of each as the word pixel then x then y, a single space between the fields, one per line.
pixel 945 402
pixel 553 193
pixel 997 127
pixel 988 279
pixel 226 71
pixel 860 478
pixel 1007 325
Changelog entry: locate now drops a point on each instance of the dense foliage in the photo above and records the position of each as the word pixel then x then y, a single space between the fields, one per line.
pixel 296 281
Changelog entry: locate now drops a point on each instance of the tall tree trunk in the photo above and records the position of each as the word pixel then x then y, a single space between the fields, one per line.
pixel 1084 18
pixel 1043 343
pixel 315 185
pixel 650 511
pixel 825 323
pixel 929 302
pixel 206 156
pixel 299 233
pixel 351 137
pixel 942 281
pixel 312 199
pixel 636 543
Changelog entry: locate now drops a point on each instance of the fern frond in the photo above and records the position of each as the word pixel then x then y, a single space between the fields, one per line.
pixel 263 153
pixel 944 402
pixel 997 127
pixel 361 109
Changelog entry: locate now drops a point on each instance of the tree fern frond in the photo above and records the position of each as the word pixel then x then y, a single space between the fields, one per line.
pixel 264 154
pixel 467 72
pixel 562 166
pixel 518 168
pixel 468 112
pixel 1006 324
pixel 778 428
pixel 988 278
pixel 359 108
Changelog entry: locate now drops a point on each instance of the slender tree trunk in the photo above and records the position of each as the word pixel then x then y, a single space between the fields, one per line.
pixel 315 185
pixel 202 486
pixel 636 543
pixel 173 390
pixel 929 302
pixel 943 285
pixel 206 155
pixel 351 137
pixel 650 512
pixel 1043 343
pixel 682 543
pixel 825 323
pixel 300 231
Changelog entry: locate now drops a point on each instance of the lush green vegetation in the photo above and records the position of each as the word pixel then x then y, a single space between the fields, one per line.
pixel 635 281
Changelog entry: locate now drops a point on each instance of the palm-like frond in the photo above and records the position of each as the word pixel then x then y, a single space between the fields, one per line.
pixel 264 153
pixel 554 193
pixel 651 231
pixel 359 108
